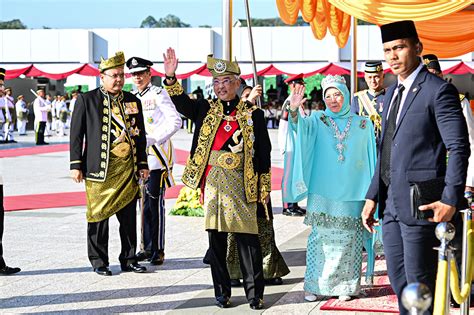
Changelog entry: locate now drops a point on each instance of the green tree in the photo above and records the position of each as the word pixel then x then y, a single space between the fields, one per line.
pixel 168 21
pixel 272 22
pixel 15 24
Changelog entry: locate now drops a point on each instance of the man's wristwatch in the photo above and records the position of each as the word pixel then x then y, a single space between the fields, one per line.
pixel 171 78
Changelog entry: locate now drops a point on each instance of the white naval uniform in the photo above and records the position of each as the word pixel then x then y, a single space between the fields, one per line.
pixel 466 108
pixel 8 127
pixel 161 122
pixel 21 108
pixel 40 109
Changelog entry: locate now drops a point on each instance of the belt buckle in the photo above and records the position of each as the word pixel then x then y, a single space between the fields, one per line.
pixel 229 161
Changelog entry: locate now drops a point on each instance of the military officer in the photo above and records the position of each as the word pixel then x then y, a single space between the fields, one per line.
pixel 40 109
pixel 161 122
pixel 369 102
pixel 111 161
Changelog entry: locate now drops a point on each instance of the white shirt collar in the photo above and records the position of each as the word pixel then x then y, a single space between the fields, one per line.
pixel 408 82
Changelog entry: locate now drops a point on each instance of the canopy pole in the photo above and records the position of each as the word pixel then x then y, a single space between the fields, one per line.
pixel 354 55
pixel 227 29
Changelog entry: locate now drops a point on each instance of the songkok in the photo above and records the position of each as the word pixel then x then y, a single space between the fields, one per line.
pixel 113 62
pixel 332 81
pixel 431 62
pixel 297 78
pixel 373 66
pixel 221 67
pixel 398 30
pixel 2 74
pixel 137 64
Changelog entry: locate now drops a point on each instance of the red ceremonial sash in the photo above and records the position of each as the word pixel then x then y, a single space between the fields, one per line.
pixel 222 136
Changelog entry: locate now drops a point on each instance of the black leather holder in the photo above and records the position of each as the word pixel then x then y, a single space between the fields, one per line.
pixel 423 193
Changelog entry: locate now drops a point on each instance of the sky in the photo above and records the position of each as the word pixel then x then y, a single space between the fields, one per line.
pixel 125 13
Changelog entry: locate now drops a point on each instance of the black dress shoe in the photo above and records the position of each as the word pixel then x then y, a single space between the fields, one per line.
pixel 292 212
pixel 6 271
pixel 299 209
pixel 235 283
pixel 256 304
pixel 223 301
pixel 157 259
pixel 103 271
pixel 135 267
pixel 142 256
pixel 274 281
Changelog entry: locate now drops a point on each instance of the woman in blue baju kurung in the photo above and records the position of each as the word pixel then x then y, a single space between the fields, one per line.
pixel 330 159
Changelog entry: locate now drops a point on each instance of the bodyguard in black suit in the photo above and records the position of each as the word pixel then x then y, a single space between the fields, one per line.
pixel 422 121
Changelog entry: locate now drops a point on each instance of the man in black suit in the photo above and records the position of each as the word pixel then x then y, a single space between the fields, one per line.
pixel 111 161
pixel 422 121
pixel 4 269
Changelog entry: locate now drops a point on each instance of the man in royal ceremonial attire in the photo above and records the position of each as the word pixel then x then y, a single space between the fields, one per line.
pixel 161 122
pixel 230 163
pixel 111 161
pixel 369 102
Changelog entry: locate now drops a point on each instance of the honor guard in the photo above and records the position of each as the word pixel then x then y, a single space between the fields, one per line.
pixel 22 115
pixel 41 110
pixel 161 122
pixel 289 208
pixel 369 102
pixel 10 115
pixel 111 162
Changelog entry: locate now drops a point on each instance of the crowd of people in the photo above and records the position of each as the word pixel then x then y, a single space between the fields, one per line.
pixel 353 161
pixel 50 116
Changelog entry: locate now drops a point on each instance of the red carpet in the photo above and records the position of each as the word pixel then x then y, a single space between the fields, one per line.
pixel 7 153
pixel 70 199
pixel 380 297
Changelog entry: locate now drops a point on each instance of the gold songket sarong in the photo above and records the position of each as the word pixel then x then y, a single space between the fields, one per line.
pixel 226 208
pixel 104 199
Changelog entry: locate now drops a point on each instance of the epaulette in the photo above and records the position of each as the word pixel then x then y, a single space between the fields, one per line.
pixel 461 97
pixel 156 89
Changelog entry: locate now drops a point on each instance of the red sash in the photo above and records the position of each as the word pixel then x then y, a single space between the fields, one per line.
pixel 222 136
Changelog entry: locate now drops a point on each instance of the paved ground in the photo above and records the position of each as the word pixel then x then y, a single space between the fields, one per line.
pixel 50 247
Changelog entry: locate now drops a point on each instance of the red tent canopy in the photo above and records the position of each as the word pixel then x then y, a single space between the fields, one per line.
pixel 329 69
pixel 460 68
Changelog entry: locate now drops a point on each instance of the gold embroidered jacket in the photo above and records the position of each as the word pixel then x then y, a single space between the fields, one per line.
pixel 92 134
pixel 207 116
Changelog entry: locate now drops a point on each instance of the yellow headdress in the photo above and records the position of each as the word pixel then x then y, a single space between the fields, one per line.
pixel 113 62
pixel 220 67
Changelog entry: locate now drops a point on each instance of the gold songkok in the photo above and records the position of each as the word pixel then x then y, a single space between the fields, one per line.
pixel 113 62
pixel 220 67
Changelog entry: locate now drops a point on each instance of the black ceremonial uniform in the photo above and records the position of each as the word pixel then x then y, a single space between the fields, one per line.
pixel 227 132
pixel 108 143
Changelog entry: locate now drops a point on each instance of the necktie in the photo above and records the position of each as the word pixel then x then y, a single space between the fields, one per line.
pixel 388 137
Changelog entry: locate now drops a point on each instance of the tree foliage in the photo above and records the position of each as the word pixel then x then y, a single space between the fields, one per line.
pixel 168 21
pixel 15 24
pixel 272 22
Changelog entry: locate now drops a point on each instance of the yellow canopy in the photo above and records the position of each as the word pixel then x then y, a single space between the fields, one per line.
pixel 443 28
